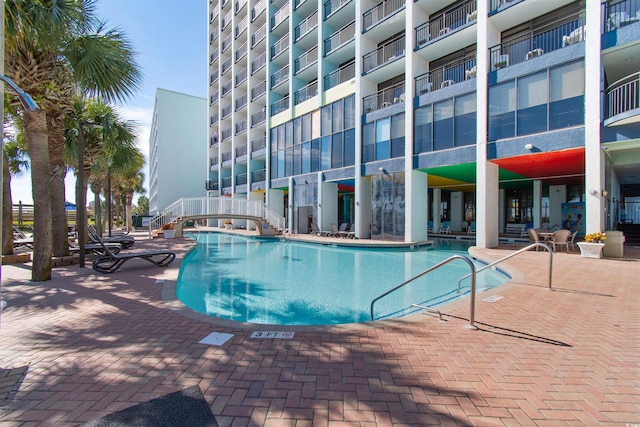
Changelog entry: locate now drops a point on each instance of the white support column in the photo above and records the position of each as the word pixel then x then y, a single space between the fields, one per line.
pixel 487 199
pixel 537 203
pixel 594 158
pixel 457 210
pixel 416 211
pixel 435 209
pixel 327 204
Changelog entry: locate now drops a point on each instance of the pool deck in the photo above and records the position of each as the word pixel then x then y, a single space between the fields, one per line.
pixel 93 344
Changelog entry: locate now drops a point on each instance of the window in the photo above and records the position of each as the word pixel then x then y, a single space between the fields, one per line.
pixel 397 135
pixel 306 127
pixel 465 120
pixel 532 103
pixel 443 125
pixel 350 112
pixel 326 153
pixel 315 124
pixel 336 150
pixel 326 120
pixel 502 105
pixel 567 96
pixel 315 155
pixel 368 142
pixel 350 147
pixel 383 139
pixel 423 138
pixel 306 157
pixel 338 116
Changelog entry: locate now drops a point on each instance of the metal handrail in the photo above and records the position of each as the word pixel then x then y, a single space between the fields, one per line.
pixel 471 324
pixel 525 249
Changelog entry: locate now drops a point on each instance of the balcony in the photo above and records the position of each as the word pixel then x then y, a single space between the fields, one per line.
pixel 383 55
pixel 241 101
pixel 241 179
pixel 214 97
pixel 280 46
pixel 213 77
pixel 447 22
pixel 259 175
pixel 279 77
pixel 305 60
pixel 309 24
pixel 241 51
pixel 241 27
pixel 241 77
pixel 341 37
pixel 226 20
pixel 259 144
pixel 258 63
pixel 280 15
pixel 259 35
pixel 226 88
pixel 213 141
pixel 241 150
pixel 225 134
pixel 226 181
pixel 213 119
pixel 623 101
pixel 258 90
pixel 258 9
pixel 447 75
pixel 240 4
pixel 384 98
pixel 381 12
pixel 259 117
pixel 280 106
pixel 226 43
pixel 341 75
pixel 211 185
pixel 214 55
pixel 620 14
pixel 332 6
pixel 226 66
pixel 241 126
pixel 226 112
pixel 307 92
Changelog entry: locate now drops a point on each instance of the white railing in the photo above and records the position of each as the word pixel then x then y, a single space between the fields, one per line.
pixel 216 206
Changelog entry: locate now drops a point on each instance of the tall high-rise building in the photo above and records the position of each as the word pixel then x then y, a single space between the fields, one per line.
pixel 403 116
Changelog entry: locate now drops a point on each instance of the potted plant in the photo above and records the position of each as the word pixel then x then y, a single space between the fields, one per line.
pixel 168 231
pixel 228 224
pixel 592 245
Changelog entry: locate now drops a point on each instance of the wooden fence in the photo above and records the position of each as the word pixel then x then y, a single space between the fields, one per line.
pixel 23 214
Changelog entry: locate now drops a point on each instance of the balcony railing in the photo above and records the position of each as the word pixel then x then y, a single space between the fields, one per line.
pixel 280 106
pixel 534 43
pixel 446 75
pixel 214 118
pixel 623 95
pixel 384 98
pixel 241 27
pixel 447 21
pixel 226 43
pixel 259 35
pixel 226 156
pixel 225 134
pixel 340 37
pixel 241 179
pixel 307 92
pixel 381 12
pixel 213 161
pixel 240 4
pixel 226 20
pixel 259 117
pixel 241 77
pixel 241 101
pixel 259 176
pixel 226 88
pixel 241 51
pixel 307 59
pixel 212 185
pixel 258 63
pixel 383 55
pixel 241 126
pixel 341 75
pixel 214 35
pixel 332 6
pixel 258 9
pixel 617 14
pixel 259 144
pixel 214 55
pixel 280 76
pixel 280 15
pixel 241 150
pixel 226 182
pixel 258 90
pixel 307 25
pixel 214 77
pixel 213 141
pixel 280 46
pixel 226 66
pixel 214 97
pixel 226 111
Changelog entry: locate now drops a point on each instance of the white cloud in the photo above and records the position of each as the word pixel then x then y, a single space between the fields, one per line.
pixel 142 117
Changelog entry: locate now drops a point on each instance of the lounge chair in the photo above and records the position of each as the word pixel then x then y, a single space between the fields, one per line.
pixel 123 240
pixel 315 231
pixel 109 262
pixel 445 227
pixel 471 229
pixel 351 234
pixel 430 227
pixel 96 248
pixel 335 231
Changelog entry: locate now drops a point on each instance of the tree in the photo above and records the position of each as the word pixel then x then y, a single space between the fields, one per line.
pixel 142 207
pixel 54 50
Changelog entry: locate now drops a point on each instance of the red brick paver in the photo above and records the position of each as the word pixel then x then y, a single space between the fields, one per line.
pixel 95 344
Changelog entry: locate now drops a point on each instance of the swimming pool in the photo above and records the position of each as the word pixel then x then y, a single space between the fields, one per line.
pixel 268 281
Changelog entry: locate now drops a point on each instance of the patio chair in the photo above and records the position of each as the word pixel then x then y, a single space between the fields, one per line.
pixel 315 231
pixel 445 227
pixel 560 238
pixel 430 227
pixel 572 240
pixel 109 262
pixel 122 239
pixel 351 234
pixel 96 248
pixel 533 237
pixel 335 232
pixel 471 229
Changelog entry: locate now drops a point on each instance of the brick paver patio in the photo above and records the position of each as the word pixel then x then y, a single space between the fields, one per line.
pixel 94 344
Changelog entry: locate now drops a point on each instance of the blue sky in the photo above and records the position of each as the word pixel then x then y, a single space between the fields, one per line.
pixel 170 38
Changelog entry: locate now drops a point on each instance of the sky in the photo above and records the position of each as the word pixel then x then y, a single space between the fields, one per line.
pixel 170 39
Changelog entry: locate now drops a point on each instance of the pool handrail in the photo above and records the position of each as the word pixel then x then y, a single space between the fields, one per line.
pixel 525 249
pixel 472 309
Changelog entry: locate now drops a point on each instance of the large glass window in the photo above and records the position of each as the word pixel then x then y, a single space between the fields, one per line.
pixel 383 138
pixel 288 134
pixel 288 167
pixel 502 105
pixel 326 153
pixel 326 120
pixel 443 125
pixel 315 155
pixel 423 138
pixel 297 159
pixel 306 157
pixel 350 112
pixel 567 96
pixel 306 128
pixel 397 135
pixel 350 147
pixel 297 130
pixel 315 124
pixel 465 120
pixel 532 103
pixel 368 142
pixel 336 150
pixel 281 137
pixel 338 116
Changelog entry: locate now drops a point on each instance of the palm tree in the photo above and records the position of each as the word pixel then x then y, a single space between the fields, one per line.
pixel 56 49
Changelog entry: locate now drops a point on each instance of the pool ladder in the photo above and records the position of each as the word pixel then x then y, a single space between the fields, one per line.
pixel 472 302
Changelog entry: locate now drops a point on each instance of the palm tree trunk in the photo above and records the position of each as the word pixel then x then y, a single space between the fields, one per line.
pixel 57 165
pixel 7 212
pixel 98 212
pixel 35 126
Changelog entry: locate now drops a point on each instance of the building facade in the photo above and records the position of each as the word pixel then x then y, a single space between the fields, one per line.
pixel 176 155
pixel 401 116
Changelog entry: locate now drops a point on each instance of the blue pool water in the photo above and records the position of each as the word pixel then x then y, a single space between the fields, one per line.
pixel 288 283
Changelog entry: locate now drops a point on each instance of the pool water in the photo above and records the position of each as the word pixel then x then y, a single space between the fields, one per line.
pixel 268 281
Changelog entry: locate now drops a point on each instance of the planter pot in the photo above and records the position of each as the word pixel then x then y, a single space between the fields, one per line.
pixel 228 226
pixel 169 234
pixel 591 250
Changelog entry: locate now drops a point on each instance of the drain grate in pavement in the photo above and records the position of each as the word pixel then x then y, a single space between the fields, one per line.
pixel 10 380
